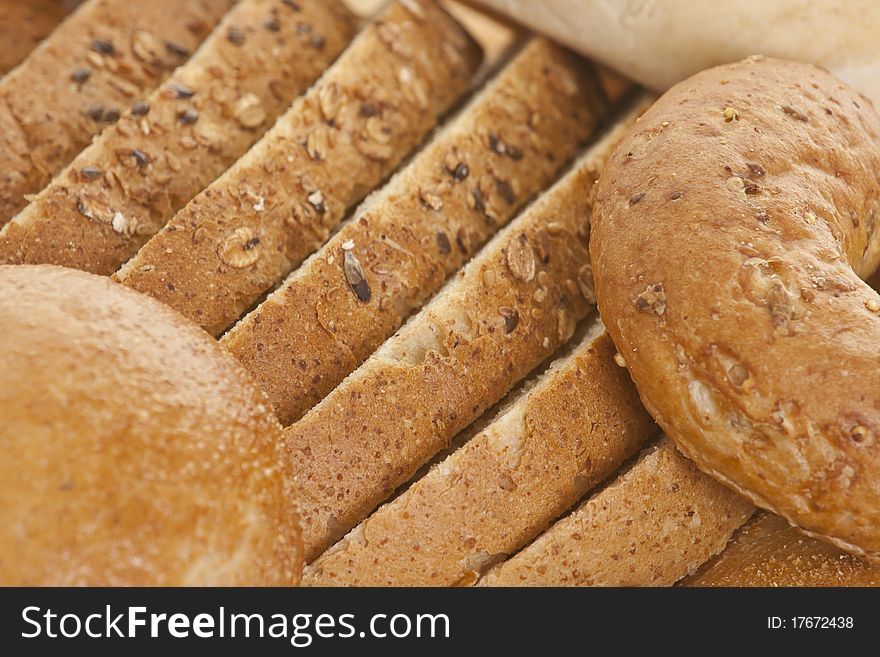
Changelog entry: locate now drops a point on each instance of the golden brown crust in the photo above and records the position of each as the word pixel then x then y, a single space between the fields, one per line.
pixel 767 551
pixel 504 147
pixel 509 309
pixel 135 450
pixel 24 23
pixel 80 79
pixel 656 523
pixel 280 202
pixel 96 215
pixel 574 427
pixel 729 225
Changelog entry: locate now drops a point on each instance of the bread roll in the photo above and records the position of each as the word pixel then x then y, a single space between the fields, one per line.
pixel 661 43
pixel 133 450
pixel 767 551
pixel 730 231
pixel 97 213
pixel 105 57
pixel 281 201
pixel 654 524
pixel 421 227
pixel 24 23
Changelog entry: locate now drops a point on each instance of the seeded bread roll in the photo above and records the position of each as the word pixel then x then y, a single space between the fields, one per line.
pixel 767 551
pixel 24 23
pixel 276 205
pixel 408 238
pixel 509 309
pixel 569 430
pixel 133 450
pixel 105 57
pixel 123 188
pixel 656 523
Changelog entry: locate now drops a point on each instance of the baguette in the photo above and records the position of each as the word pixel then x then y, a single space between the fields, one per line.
pixel 103 58
pixel 501 316
pixel 767 551
pixel 420 228
pixel 575 426
pixel 247 230
pixel 24 23
pixel 656 523
pixel 101 210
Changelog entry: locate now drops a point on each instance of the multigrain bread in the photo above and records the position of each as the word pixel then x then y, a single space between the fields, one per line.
pixel 767 551
pixel 656 523
pixel 280 202
pixel 568 431
pixel 135 451
pixel 24 23
pixel 101 60
pixel 730 231
pixel 503 148
pixel 123 188
pixel 510 308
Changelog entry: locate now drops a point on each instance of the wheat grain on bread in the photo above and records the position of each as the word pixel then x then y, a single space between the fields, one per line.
pixel 654 524
pixel 767 551
pixel 504 147
pixel 135 450
pixel 23 24
pixel 98 62
pixel 502 315
pixel 281 200
pixel 123 188
pixel 573 427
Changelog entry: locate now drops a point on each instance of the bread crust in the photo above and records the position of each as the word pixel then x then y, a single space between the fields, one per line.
pixel 97 213
pixel 767 551
pixel 24 24
pixel 656 523
pixel 107 55
pixel 573 427
pixel 135 450
pixel 731 229
pixel 502 149
pixel 280 201
pixel 502 315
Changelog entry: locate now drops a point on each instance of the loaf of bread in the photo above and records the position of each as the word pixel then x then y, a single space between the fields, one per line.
pixel 571 428
pixel 135 451
pixel 503 148
pixel 511 307
pixel 767 551
pixel 123 188
pixel 103 59
pixel 280 202
pixel 24 23
pixel 656 523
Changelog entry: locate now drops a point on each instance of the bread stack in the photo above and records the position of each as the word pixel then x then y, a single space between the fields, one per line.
pixel 317 302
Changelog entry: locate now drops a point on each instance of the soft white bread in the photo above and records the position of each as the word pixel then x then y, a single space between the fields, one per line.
pixel 660 43
pixel 133 449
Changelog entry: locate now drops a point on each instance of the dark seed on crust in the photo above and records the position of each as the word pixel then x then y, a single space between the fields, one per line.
pixel 176 49
pixel 80 75
pixel 443 242
pixel 91 173
pixel 103 46
pixel 235 36
pixel 795 114
pixel 354 274
pixel 189 116
pixel 140 108
pixel 635 198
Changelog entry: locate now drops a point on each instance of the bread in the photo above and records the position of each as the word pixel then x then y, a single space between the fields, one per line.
pixel 656 523
pixel 134 450
pixel 105 57
pixel 661 43
pixel 767 551
pixel 572 427
pixel 106 205
pixel 420 228
pixel 510 308
pixel 23 24
pixel 730 231
pixel 278 203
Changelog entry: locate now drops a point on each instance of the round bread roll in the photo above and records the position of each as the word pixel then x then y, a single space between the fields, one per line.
pixel 729 233
pixel 133 449
pixel 660 43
